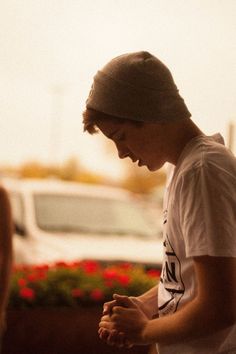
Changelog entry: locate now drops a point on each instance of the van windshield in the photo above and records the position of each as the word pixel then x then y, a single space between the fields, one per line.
pixel 85 214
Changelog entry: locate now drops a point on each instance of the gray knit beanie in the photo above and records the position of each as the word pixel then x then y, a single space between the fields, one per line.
pixel 137 86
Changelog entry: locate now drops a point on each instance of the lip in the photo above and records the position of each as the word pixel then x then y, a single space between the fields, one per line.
pixel 140 163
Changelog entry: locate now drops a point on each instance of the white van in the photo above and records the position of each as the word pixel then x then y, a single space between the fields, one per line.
pixel 65 221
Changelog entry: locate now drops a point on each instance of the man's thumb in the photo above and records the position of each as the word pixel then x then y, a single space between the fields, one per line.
pixel 123 300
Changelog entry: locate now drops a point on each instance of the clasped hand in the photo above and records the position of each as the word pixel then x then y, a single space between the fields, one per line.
pixel 123 322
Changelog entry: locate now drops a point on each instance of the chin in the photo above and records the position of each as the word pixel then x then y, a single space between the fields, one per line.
pixel 153 168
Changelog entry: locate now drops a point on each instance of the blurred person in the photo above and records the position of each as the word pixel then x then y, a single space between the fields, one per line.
pixel 134 101
pixel 6 231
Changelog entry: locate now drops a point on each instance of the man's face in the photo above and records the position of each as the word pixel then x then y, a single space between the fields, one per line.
pixel 141 143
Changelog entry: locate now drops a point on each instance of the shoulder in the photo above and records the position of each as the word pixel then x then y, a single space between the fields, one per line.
pixel 208 173
pixel 206 158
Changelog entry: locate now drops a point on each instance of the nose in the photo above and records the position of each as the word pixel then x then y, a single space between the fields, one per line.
pixel 122 152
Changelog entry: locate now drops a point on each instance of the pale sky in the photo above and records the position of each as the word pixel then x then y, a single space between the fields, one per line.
pixel 50 51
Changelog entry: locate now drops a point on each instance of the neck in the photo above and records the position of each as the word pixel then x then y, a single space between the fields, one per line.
pixel 181 133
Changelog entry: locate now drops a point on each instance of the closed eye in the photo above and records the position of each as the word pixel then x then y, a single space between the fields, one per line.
pixel 119 137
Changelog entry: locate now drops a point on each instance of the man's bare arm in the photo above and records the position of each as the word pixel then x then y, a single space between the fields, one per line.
pixel 212 309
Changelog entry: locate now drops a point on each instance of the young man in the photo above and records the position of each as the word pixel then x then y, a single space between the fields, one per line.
pixel 135 102
pixel 6 231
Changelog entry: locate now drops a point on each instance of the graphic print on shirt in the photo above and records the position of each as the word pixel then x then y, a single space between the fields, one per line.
pixel 171 286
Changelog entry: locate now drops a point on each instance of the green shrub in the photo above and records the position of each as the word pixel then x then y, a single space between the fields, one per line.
pixel 77 283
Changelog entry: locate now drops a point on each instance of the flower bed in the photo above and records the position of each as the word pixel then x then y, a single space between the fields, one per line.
pixel 56 309
pixel 75 284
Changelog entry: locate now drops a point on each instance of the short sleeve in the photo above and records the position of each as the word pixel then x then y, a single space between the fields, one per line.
pixel 207 211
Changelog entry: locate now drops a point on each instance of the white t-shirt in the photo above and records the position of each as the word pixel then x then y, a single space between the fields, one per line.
pixel 199 219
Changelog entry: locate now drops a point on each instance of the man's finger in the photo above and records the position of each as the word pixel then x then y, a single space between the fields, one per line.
pixel 123 300
pixel 103 334
pixel 112 338
pixel 118 310
pixel 107 307
pixel 105 318
pixel 106 325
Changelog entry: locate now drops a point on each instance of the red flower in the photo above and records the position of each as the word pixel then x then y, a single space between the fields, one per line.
pixel 78 293
pixel 110 274
pixel 42 267
pixel 42 275
pixel 125 266
pixel 27 293
pixel 124 279
pixel 90 266
pixel 153 273
pixel 22 282
pixel 61 264
pixel 32 277
pixel 75 265
pixel 36 276
pixel 97 294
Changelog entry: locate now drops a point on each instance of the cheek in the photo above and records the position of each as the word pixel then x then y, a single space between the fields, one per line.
pixel 136 146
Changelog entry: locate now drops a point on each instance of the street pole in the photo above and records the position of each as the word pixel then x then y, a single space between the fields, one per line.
pixel 231 136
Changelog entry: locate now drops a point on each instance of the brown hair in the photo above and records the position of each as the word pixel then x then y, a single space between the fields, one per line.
pixel 91 117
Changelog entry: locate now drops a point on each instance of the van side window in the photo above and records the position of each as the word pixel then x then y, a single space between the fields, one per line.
pixel 17 213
